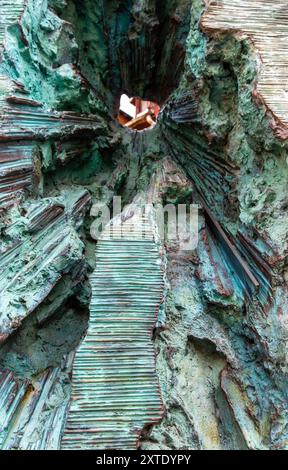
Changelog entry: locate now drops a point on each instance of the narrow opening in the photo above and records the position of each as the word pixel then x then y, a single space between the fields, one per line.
pixel 137 114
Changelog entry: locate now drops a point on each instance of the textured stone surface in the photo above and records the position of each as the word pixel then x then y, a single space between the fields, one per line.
pixel 115 389
pixel 220 142
pixel 265 24
pixel 32 412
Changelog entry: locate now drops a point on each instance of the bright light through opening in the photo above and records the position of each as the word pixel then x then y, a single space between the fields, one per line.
pixel 137 114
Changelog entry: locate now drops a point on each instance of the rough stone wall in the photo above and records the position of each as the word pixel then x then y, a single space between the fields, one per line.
pixel 224 140
pixel 222 346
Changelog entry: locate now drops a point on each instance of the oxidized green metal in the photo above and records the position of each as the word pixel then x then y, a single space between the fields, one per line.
pixel 26 420
pixel 115 389
pixel 9 13
pixel 265 23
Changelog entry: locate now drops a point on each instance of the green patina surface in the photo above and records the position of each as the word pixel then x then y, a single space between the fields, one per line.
pixel 223 341
pixel 115 388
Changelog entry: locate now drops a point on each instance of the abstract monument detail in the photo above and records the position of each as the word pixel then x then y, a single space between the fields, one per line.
pixel 127 340
pixel 115 389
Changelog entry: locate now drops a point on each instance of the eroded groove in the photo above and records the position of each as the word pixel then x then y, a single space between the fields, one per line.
pixel 27 421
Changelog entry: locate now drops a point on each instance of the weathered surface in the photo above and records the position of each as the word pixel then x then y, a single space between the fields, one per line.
pixel 223 139
pixel 27 95
pixel 34 261
pixel 265 23
pixel 32 412
pixel 10 12
pixel 115 390
pixel 220 142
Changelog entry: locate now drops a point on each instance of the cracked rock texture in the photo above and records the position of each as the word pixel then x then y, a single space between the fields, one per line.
pixel 221 343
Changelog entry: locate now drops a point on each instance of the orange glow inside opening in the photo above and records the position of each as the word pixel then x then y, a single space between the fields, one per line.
pixel 137 114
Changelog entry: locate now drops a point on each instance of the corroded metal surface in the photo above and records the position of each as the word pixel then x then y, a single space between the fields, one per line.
pixel 32 265
pixel 15 161
pixel 9 13
pixel 266 24
pixel 115 390
pixel 29 417
pixel 241 268
pixel 22 122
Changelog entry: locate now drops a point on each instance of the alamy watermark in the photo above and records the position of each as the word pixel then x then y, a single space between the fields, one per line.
pixel 174 224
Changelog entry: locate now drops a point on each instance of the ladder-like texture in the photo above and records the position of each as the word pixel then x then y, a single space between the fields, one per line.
pixel 23 121
pixel 266 23
pixel 10 11
pixel 115 389
pixel 31 415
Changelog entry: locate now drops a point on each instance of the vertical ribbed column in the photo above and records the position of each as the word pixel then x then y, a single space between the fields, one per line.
pixel 115 389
